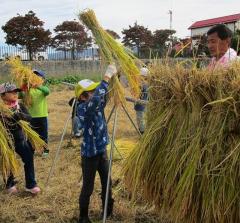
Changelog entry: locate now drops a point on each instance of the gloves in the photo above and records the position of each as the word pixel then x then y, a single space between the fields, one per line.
pixel 111 70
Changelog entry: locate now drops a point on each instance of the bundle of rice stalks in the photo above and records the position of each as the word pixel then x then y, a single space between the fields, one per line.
pixel 187 163
pixel 113 52
pixel 8 161
pixel 23 75
pixel 37 143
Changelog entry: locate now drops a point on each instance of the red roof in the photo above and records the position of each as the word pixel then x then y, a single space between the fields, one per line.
pixel 210 22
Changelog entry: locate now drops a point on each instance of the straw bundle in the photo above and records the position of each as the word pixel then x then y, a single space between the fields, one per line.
pixel 113 52
pixel 188 162
pixel 24 77
pixel 8 161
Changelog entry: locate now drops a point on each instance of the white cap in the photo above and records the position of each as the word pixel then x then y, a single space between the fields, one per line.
pixel 144 71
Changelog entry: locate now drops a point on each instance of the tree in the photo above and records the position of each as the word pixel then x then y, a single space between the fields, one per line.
pixel 113 34
pixel 71 36
pixel 236 41
pixel 28 32
pixel 138 36
pixel 162 39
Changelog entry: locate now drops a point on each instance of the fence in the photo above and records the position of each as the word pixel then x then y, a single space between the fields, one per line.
pixel 49 54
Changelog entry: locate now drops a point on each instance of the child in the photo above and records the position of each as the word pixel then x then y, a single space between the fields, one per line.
pixel 9 96
pixel 140 108
pixel 95 139
pixel 38 109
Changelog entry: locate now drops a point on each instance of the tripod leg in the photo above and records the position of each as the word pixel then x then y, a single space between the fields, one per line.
pixel 110 115
pixel 117 150
pixel 59 146
pixel 131 119
pixel 110 166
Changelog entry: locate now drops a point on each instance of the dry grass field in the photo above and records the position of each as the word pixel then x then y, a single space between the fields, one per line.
pixel 59 201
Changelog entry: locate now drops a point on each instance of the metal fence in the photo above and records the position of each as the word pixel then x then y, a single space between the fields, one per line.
pixel 49 54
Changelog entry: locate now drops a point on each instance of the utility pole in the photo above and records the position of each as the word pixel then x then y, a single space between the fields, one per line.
pixel 170 13
pixel 170 27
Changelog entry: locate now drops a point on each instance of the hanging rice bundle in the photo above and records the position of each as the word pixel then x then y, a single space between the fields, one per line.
pixel 188 161
pixel 113 52
pixel 24 77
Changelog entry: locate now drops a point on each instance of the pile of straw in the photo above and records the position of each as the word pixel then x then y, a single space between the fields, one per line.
pixel 113 52
pixel 188 161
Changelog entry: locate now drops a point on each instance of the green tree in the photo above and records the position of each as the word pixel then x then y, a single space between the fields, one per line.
pixel 71 36
pixel 138 37
pixel 236 41
pixel 162 39
pixel 28 32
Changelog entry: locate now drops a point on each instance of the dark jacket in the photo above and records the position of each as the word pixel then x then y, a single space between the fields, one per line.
pixel 12 123
pixel 93 122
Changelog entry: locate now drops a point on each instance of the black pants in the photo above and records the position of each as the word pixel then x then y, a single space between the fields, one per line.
pixel 40 125
pixel 25 151
pixel 89 168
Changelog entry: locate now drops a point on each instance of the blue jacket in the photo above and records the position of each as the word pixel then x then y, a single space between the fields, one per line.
pixel 143 96
pixel 93 122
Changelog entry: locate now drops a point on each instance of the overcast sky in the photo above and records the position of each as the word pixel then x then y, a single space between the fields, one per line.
pixel 117 15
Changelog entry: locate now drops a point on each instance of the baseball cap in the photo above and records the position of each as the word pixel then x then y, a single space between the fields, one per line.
pixel 85 85
pixel 40 73
pixel 8 87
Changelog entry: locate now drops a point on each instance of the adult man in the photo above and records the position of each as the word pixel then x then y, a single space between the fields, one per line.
pixel 219 40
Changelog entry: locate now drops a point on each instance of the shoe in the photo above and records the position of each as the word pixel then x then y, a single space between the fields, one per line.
pixel 77 135
pixel 45 153
pixel 84 220
pixel 12 190
pixel 34 190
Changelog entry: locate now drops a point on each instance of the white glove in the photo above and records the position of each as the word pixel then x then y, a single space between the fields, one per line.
pixel 111 70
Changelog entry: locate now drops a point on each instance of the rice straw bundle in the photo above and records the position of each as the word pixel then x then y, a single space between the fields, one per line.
pixel 23 75
pixel 113 52
pixel 188 161
pixel 8 161
pixel 37 143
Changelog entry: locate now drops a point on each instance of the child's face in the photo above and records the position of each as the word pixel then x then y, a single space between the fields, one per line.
pixel 87 96
pixel 10 96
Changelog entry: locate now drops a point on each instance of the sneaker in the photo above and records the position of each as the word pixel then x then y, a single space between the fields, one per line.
pixel 12 190
pixel 45 153
pixel 33 190
pixel 77 135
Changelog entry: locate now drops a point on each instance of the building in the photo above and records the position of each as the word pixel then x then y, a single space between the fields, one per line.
pixel 200 28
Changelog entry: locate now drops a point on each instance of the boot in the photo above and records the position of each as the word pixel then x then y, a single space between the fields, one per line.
pixel 109 207
pixel 84 216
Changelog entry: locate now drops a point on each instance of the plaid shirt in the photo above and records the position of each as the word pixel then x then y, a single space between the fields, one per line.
pixel 93 122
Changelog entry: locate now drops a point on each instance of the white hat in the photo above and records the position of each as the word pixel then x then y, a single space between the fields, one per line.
pixel 144 71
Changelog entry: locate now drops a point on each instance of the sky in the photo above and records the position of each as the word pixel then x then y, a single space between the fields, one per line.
pixel 118 15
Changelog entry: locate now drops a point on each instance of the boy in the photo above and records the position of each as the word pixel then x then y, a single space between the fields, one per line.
pixel 95 139
pixel 38 109
pixel 140 108
pixel 9 96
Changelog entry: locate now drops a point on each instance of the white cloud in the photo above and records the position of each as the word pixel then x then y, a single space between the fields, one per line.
pixel 117 15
